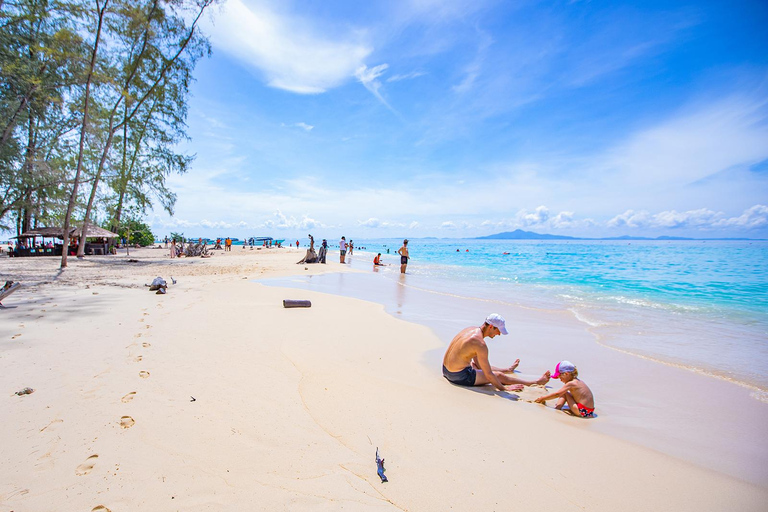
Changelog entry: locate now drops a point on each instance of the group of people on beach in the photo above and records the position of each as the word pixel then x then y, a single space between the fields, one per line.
pixel 466 363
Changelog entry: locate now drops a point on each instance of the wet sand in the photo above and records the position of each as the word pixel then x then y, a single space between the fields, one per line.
pixel 707 421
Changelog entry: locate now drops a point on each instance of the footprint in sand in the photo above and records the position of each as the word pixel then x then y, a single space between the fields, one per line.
pixel 15 336
pixel 145 345
pixel 87 466
pixel 137 335
pixel 100 508
pixel 127 398
pixel 138 358
pixel 143 374
pixel 149 327
pixel 127 422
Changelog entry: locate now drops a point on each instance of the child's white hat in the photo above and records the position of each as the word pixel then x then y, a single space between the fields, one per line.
pixel 563 367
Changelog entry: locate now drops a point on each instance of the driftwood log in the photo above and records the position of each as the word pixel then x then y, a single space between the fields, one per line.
pixel 8 289
pixel 290 303
pixel 196 250
pixel 311 257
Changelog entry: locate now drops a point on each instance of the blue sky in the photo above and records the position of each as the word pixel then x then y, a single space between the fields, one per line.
pixel 462 118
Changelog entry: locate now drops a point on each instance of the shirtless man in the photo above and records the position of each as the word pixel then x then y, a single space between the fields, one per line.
pixel 466 360
pixel 403 252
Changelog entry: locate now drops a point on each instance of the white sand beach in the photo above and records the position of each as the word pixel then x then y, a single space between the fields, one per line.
pixel 215 397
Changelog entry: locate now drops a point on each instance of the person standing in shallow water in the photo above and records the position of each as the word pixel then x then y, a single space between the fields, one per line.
pixel 403 252
pixel 342 250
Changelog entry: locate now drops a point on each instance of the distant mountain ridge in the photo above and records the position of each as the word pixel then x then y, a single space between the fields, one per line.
pixel 519 234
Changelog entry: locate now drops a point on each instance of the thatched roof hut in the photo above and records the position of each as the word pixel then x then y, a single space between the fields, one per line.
pixel 57 232
pixel 44 232
pixel 93 231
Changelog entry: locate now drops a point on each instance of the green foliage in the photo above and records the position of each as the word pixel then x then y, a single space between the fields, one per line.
pixel 139 233
pixel 138 79
pixel 177 237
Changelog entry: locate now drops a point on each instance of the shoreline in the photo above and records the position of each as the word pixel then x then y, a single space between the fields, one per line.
pixel 725 345
pixel 643 401
pixel 290 404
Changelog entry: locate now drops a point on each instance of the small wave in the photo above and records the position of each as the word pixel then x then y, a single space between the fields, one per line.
pixel 645 303
pixel 583 319
pixel 757 392
pixel 570 297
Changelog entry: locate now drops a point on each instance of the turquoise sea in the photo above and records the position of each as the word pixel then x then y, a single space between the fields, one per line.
pixel 701 304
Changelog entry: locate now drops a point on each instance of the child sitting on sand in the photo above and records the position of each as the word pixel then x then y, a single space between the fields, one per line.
pixel 575 392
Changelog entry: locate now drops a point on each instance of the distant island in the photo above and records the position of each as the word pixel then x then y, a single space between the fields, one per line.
pixel 519 234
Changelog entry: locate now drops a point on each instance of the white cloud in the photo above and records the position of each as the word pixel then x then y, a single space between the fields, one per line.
pixel 175 223
pixel 291 54
pixel 370 223
pixel 563 220
pixel 302 125
pixel 703 219
pixel 413 225
pixel 692 145
pixel 752 218
pixel 447 225
pixel 538 217
pixel 630 219
pixel 369 78
pixel 407 76
pixel 215 225
pixel 376 223
pixel 281 221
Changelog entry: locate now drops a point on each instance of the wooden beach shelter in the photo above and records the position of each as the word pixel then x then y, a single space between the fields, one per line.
pixel 32 249
pixel 100 247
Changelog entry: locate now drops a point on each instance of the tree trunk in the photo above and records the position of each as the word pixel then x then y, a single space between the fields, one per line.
pixel 112 129
pixel 102 162
pixel 28 165
pixel 83 129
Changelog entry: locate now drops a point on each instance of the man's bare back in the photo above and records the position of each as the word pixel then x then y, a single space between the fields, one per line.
pixel 466 359
pixel 464 348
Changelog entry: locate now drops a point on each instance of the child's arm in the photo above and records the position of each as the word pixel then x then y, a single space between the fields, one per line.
pixel 557 394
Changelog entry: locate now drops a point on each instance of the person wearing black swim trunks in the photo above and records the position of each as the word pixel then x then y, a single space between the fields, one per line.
pixel 466 361
pixel 403 252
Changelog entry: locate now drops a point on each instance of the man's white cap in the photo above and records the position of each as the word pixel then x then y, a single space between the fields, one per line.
pixel 498 322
